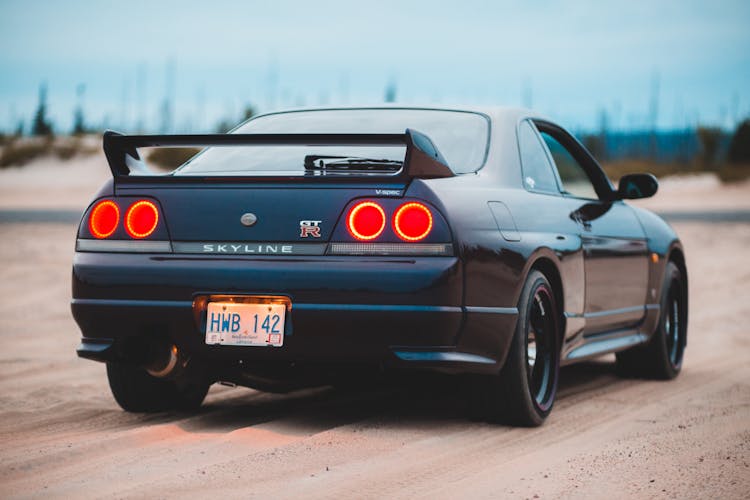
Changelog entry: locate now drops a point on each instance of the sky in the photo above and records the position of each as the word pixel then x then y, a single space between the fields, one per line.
pixel 623 65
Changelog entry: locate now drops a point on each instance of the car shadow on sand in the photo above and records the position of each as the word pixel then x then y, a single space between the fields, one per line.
pixel 414 401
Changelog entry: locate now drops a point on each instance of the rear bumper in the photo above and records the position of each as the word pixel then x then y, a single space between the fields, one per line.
pixel 387 310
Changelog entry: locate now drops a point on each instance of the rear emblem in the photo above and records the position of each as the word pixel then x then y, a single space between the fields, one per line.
pixel 248 219
pixel 309 228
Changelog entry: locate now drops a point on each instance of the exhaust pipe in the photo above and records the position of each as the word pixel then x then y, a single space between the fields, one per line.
pixel 168 364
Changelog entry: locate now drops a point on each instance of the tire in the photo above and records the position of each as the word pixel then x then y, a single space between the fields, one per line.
pixel 661 358
pixel 524 391
pixel 138 392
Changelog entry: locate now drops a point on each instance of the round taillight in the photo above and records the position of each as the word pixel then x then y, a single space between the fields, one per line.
pixel 104 218
pixel 366 221
pixel 141 219
pixel 412 222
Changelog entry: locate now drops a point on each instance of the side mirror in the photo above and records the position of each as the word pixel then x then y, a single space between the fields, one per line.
pixel 634 186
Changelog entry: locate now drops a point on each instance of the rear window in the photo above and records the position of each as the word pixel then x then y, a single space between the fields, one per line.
pixel 462 137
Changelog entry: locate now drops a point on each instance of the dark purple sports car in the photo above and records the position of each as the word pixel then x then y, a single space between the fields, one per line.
pixel 309 245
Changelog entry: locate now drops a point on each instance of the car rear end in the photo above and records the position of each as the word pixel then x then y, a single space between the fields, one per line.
pixel 344 297
pixel 236 272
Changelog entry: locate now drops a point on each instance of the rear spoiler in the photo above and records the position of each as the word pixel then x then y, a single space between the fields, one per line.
pixel 422 159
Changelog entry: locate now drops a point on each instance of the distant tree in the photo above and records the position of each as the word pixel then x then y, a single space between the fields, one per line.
pixel 79 123
pixel 739 147
pixel 248 113
pixel 390 92
pixel 41 125
pixel 710 139
pixel 19 129
pixel 224 126
pixel 166 117
pixel 602 153
pixel 595 145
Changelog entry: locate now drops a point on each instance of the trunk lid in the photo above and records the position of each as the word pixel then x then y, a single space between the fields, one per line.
pixel 214 213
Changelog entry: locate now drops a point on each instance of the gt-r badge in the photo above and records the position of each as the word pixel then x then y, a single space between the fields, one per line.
pixel 309 228
pixel 248 219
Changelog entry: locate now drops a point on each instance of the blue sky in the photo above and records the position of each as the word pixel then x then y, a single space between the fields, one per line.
pixel 572 60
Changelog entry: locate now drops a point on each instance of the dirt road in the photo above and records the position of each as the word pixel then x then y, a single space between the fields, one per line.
pixel 62 435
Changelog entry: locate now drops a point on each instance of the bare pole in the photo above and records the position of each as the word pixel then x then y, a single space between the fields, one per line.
pixel 272 81
pixel 527 93
pixel 140 92
pixel 200 112
pixel 125 105
pixel 344 88
pixel 654 113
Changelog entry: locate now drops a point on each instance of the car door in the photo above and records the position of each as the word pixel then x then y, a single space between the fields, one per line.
pixel 542 215
pixel 614 243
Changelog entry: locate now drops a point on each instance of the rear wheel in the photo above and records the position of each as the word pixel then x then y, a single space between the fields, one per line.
pixel 137 391
pixel 662 357
pixel 524 391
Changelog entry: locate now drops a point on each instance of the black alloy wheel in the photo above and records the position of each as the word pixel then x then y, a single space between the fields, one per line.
pixel 662 356
pixel 541 332
pixel 673 330
pixel 524 391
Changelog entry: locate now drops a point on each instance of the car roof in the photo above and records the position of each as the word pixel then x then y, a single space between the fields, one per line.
pixel 502 147
pixel 501 116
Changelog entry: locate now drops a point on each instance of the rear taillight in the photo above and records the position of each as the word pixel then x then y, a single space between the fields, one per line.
pixel 137 229
pixel 104 219
pixel 141 219
pixel 412 221
pixel 391 227
pixel 366 221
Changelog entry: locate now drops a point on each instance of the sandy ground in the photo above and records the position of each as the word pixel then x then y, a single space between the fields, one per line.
pixel 62 435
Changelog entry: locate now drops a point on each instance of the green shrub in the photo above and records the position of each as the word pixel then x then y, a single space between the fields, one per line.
pixel 20 151
pixel 617 169
pixel 170 158
pixel 734 172
pixel 67 150
pixel 16 153
pixel 710 139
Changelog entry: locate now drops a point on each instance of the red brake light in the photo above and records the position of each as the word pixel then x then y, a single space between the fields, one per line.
pixel 104 218
pixel 412 222
pixel 141 219
pixel 366 221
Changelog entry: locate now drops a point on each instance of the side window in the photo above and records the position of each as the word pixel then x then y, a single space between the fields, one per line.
pixel 574 179
pixel 537 170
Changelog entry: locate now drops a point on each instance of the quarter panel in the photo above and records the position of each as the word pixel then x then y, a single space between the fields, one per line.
pixel 661 238
pixel 496 268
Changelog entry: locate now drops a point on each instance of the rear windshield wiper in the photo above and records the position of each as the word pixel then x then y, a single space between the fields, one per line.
pixel 351 163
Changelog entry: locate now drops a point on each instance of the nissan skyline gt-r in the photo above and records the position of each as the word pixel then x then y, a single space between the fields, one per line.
pixel 307 245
